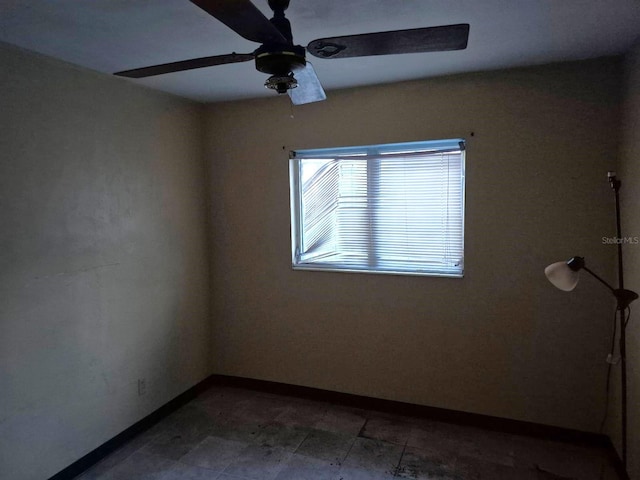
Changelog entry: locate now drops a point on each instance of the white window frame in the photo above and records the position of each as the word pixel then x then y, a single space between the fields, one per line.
pixel 373 153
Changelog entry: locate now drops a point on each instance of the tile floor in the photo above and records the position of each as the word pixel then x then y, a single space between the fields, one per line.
pixel 235 434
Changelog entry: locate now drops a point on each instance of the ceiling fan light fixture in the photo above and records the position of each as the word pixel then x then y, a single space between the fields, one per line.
pixel 281 84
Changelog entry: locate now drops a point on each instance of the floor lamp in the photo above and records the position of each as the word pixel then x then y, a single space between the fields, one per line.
pixel 564 275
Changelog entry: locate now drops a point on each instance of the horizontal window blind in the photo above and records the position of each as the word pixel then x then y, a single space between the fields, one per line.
pixel 395 208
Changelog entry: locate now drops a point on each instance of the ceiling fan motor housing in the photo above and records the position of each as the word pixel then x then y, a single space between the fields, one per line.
pixel 280 60
pixel 276 5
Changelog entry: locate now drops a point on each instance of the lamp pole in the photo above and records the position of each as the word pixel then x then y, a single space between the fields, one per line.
pixel 621 307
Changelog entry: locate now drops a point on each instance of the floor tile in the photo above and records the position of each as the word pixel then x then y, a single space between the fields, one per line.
pixel 373 455
pixel 180 471
pixel 561 459
pixel 361 473
pixel 219 405
pixel 491 447
pixel 277 434
pixel 174 445
pixel 188 424
pixel 453 440
pixel 261 409
pixel 229 433
pixel 446 438
pixel 386 428
pixel 140 466
pixel 342 420
pixel 304 414
pixel 425 464
pixel 188 416
pixel 214 453
pixel 236 429
pixel 117 456
pixel 300 467
pixel 468 468
pixel 323 445
pixel 257 462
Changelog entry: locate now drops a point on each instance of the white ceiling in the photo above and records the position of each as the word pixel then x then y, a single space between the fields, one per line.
pixel 114 35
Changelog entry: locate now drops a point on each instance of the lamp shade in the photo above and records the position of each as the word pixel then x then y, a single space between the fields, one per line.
pixel 562 276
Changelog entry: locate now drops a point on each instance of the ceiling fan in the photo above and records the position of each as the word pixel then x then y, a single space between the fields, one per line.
pixel 286 63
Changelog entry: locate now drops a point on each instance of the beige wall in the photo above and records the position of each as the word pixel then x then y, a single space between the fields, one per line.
pixel 502 341
pixel 630 199
pixel 103 247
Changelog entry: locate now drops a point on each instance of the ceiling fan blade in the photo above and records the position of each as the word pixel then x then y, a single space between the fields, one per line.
pixel 186 65
pixel 244 18
pixel 309 89
pixel 417 40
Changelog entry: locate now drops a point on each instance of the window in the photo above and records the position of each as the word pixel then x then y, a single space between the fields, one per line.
pixel 396 208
